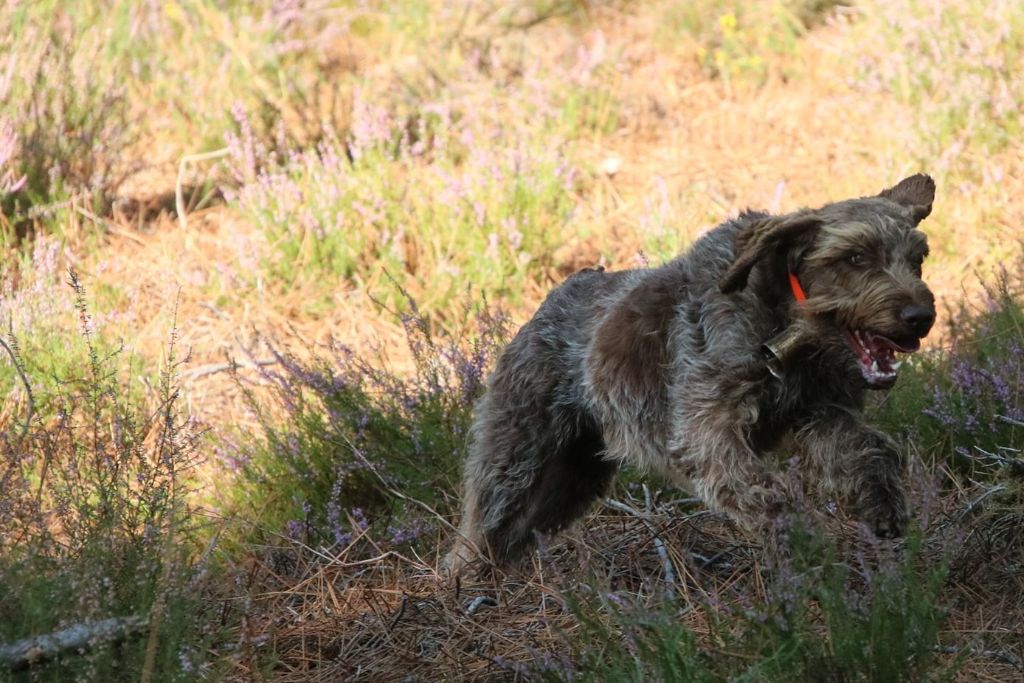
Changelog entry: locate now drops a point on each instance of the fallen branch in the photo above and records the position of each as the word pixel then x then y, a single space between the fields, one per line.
pixel 29 651
pixel 972 505
pixel 666 562
pixel 213 368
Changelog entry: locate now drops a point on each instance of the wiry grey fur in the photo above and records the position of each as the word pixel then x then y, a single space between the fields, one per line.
pixel 666 368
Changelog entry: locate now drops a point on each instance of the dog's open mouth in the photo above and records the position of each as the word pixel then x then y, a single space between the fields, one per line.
pixel 877 356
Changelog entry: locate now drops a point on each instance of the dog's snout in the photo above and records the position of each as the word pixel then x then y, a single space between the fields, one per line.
pixel 919 318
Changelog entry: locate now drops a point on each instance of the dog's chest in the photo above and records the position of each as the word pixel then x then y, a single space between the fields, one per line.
pixel 786 403
pixel 777 414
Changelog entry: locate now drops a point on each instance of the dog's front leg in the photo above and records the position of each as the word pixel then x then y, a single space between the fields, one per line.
pixel 710 453
pixel 859 465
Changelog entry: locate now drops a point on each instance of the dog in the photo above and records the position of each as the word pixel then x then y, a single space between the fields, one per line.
pixel 768 327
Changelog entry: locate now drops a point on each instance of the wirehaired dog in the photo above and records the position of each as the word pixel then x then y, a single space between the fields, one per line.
pixel 769 326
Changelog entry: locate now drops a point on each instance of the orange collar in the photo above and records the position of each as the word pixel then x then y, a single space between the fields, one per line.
pixel 798 291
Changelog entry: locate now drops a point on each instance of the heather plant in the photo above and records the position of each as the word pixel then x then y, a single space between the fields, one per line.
pixel 359 441
pixel 93 483
pixel 73 75
pixel 34 299
pixel 279 59
pixel 34 303
pixel 457 199
pixel 957 66
pixel 66 100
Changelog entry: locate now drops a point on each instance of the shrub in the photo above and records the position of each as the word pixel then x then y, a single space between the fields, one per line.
pixel 355 432
pixel 452 199
pixel 68 108
pixel 92 503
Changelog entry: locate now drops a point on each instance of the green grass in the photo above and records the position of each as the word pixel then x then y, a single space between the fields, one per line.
pixel 461 202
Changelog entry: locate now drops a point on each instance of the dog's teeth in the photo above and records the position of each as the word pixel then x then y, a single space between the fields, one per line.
pixel 896 366
pixel 874 366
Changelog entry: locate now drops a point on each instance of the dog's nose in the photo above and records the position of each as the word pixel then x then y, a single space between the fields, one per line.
pixel 920 318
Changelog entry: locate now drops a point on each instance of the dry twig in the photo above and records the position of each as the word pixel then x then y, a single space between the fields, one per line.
pixel 29 651
pixel 28 388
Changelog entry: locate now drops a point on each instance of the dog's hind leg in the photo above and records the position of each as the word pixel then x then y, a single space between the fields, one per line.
pixel 573 476
pixel 535 460
pixel 528 471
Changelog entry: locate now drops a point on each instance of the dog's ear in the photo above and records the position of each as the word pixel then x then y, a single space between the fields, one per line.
pixel 916 193
pixel 761 238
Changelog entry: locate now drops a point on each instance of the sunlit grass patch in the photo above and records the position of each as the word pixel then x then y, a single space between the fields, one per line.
pixel 748 42
pixel 591 110
pixel 957 65
pixel 439 198
pixel 67 108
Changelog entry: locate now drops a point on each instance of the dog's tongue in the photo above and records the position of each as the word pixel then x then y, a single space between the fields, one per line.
pixel 883 354
pixel 877 356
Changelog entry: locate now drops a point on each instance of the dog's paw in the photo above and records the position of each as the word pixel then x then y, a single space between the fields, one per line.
pixel 886 516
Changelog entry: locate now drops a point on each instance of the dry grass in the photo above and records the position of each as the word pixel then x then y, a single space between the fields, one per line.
pixel 389 617
pixel 363 613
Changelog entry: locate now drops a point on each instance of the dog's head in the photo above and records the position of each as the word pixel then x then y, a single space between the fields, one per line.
pixel 859 263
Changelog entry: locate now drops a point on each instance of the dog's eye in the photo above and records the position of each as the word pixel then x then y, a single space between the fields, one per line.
pixel 859 260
